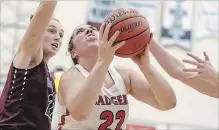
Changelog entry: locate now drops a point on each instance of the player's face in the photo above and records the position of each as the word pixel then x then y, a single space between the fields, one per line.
pixel 85 40
pixel 53 38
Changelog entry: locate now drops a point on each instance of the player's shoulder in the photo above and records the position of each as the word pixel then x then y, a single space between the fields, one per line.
pixel 70 73
pixel 123 69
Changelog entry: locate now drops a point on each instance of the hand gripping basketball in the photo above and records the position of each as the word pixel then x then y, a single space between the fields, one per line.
pixel 106 48
pixel 134 29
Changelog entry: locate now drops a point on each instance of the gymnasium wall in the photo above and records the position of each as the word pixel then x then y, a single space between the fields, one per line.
pixel 193 109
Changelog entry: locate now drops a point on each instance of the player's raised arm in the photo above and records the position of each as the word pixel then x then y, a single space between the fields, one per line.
pixel 174 67
pixel 30 47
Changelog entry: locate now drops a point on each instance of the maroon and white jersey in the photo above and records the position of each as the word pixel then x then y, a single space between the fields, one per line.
pixel 28 98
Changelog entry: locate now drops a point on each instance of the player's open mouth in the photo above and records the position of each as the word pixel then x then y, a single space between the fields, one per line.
pixel 91 36
pixel 55 45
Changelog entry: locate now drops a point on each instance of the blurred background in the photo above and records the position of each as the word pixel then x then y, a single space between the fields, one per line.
pixel 180 26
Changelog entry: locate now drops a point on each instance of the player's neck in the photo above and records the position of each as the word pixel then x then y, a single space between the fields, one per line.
pixel 46 59
pixel 88 63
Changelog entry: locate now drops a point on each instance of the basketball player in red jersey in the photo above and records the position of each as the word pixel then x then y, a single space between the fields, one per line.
pixel 92 94
pixel 27 100
pixel 205 80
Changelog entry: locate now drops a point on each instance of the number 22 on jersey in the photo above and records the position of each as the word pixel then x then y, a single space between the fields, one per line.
pixel 109 117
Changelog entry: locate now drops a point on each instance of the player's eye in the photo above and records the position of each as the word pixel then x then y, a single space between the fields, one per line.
pixel 52 30
pixel 80 31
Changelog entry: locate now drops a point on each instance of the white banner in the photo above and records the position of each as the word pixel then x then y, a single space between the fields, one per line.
pixel 177 24
pixel 208 19
pixel 147 9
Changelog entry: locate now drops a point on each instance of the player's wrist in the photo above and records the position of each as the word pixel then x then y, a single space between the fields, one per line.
pixel 215 78
pixel 146 69
pixel 102 63
pixel 145 63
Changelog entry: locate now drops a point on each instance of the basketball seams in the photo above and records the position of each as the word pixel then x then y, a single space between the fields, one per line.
pixel 127 54
pixel 132 36
pixel 108 15
pixel 127 19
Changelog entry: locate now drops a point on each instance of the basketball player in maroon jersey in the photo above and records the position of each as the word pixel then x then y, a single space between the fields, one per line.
pixel 204 78
pixel 27 99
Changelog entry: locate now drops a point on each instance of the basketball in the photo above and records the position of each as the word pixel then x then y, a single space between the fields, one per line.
pixel 134 29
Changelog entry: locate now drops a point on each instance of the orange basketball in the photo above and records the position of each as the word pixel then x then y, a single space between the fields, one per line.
pixel 134 29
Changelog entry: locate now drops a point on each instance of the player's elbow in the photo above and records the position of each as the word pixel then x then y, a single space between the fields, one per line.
pixel 168 106
pixel 78 116
pixel 76 111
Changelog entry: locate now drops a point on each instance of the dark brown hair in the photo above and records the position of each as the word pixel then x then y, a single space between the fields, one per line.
pixel 70 47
